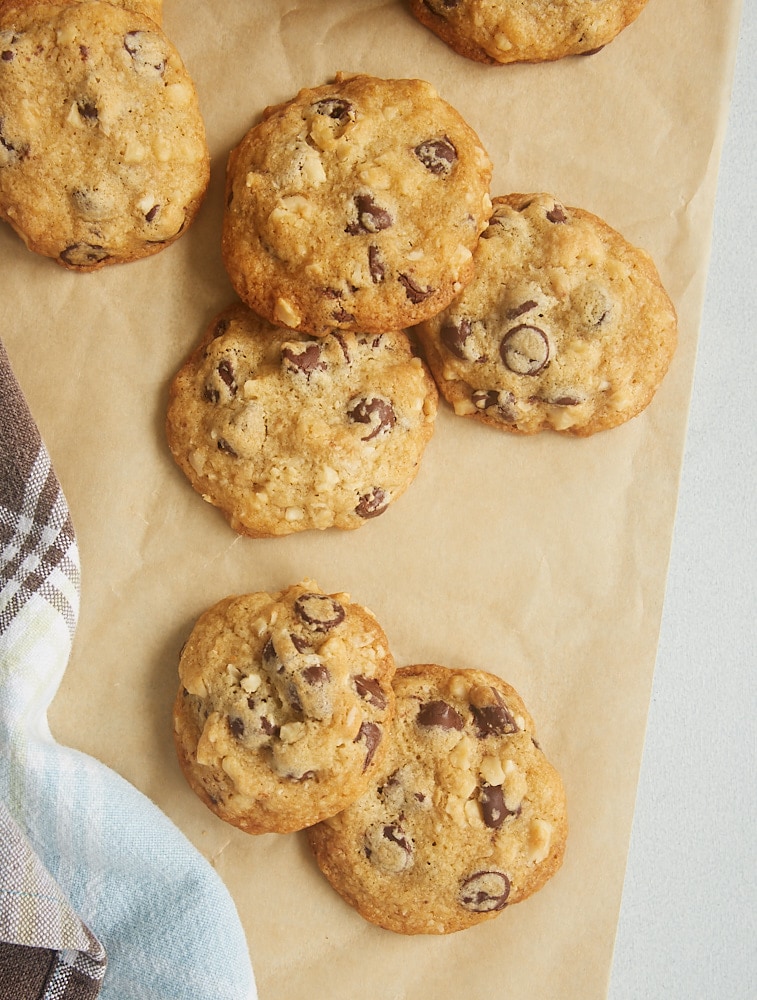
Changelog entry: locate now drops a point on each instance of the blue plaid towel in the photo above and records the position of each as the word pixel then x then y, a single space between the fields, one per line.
pixel 100 894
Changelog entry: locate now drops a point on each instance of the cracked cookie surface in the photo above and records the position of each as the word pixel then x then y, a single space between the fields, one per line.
pixel 509 31
pixel 464 817
pixel 283 706
pixel 285 432
pixel 565 327
pixel 103 157
pixel 356 206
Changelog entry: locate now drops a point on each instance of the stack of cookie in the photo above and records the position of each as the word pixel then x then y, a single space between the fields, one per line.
pixel 103 156
pixel 428 802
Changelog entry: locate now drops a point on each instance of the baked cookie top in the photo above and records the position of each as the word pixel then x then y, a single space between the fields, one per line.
pixel 286 432
pixel 356 205
pixel 103 157
pixel 566 325
pixel 464 817
pixel 508 31
pixel 283 707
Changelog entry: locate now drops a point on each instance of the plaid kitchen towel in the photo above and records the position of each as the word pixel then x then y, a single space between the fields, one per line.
pixel 89 867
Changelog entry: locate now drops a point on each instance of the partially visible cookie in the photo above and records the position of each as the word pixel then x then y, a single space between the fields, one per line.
pixel 283 709
pixel 509 31
pixel 286 432
pixel 566 326
pixel 355 206
pixel 103 157
pixel 465 816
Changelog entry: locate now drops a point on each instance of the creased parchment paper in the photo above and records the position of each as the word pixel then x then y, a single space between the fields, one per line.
pixel 543 560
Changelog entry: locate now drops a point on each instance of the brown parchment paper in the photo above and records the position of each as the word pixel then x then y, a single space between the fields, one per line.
pixel 543 560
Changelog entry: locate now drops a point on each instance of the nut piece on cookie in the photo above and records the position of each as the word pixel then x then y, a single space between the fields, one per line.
pixel 355 206
pixel 287 433
pixel 464 817
pixel 108 162
pixel 566 326
pixel 283 708
pixel 501 31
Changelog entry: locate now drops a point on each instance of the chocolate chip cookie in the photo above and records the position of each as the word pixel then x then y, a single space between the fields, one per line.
pixel 355 206
pixel 464 817
pixel 103 157
pixel 286 432
pixel 566 325
pixel 509 31
pixel 283 708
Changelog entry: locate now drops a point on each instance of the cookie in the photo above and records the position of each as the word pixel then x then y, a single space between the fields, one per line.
pixel 283 707
pixel 510 31
pixel 566 326
pixel 464 817
pixel 103 157
pixel 355 206
pixel 286 432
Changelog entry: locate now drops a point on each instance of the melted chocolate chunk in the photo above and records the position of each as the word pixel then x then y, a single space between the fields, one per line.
pixel 502 403
pixel 305 361
pixel 454 336
pixel 87 110
pixel 371 733
pixel 236 725
pixel 493 720
pixel 413 290
pixel 226 448
pixel 317 675
pixel 517 311
pixel 525 350
pixel 147 50
pixel 557 214
pixel 375 411
pixel 438 156
pixel 338 108
pixel 84 254
pixel 493 806
pixel 372 504
pixel 439 714
pixel 371 217
pixel 319 611
pixel 370 690
pixel 485 891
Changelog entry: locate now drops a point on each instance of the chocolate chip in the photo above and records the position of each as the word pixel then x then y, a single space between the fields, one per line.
pixel 303 358
pixel 317 675
pixel 16 151
pixel 372 504
pixel 564 399
pixel 413 290
pixel 371 733
pixel 375 411
pixel 525 350
pixel 517 311
pixel 300 643
pixel 268 727
pixel 493 806
pixel 152 215
pixel 499 401
pixel 226 448
pixel 337 108
pixel 438 156
pixel 87 110
pixel 557 214
pixel 84 254
pixel 493 720
pixel 236 725
pixel 439 714
pixel 370 690
pixel 454 335
pixel 319 611
pixel 211 395
pixel 221 327
pixel 376 265
pixel 270 657
pixel 485 891
pixel 371 217
pixel 339 338
pixel 388 847
pixel 226 374
pixel 147 50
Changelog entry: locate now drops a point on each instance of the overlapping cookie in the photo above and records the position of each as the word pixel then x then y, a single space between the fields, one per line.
pixel 464 817
pixel 285 432
pixel 103 157
pixel 283 707
pixel 355 206
pixel 566 325
pixel 509 31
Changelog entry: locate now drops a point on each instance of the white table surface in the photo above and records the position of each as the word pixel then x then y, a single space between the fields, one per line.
pixel 688 926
